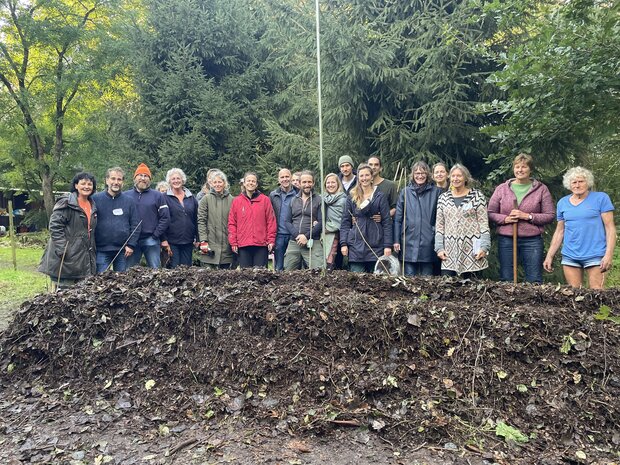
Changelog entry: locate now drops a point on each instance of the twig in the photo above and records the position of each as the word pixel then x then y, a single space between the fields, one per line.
pixel 473 378
pixel 183 445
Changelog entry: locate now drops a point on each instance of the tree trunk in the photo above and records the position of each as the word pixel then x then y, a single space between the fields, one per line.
pixel 47 186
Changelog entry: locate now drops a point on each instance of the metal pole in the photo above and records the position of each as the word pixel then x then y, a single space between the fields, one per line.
pixel 12 235
pixel 320 105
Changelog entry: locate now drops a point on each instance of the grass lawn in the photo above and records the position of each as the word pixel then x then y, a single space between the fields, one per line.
pixel 21 284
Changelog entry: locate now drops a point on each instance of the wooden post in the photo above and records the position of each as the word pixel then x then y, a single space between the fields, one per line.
pixel 12 235
pixel 514 247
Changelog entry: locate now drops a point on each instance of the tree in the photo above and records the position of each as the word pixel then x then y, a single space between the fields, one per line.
pixel 560 78
pixel 55 59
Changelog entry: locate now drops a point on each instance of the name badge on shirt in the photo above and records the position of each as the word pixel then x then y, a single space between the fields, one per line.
pixel 117 212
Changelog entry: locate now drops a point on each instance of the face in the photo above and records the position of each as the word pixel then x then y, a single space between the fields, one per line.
pixel 163 189
pixel 522 171
pixel 346 169
pixel 375 165
pixel 331 185
pixel 307 183
pixel 579 185
pixel 142 182
pixel 114 182
pixel 457 179
pixel 364 177
pixel 218 184
pixel 295 180
pixel 250 183
pixel 176 181
pixel 419 176
pixel 284 179
pixel 440 174
pixel 84 187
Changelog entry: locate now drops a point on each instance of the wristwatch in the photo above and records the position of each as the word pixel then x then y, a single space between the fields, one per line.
pixel 530 217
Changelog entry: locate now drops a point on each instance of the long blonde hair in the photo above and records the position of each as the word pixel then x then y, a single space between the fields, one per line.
pixel 357 193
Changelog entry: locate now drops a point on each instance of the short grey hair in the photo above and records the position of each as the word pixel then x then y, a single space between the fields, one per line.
pixel 578 172
pixel 116 169
pixel 178 171
pixel 215 173
pixel 469 180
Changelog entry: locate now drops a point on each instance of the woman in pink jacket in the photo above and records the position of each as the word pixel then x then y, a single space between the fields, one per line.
pixel 527 203
pixel 251 225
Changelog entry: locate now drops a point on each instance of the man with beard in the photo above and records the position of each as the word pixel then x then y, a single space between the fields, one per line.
pixel 347 173
pixel 386 186
pixel 281 202
pixel 118 225
pixel 155 217
pixel 303 221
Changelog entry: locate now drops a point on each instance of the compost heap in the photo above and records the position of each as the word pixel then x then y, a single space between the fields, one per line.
pixel 530 370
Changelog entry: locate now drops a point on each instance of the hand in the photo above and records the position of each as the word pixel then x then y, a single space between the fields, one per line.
pixel 548 264
pixel 376 218
pixel 606 263
pixel 480 255
pixel 387 251
pixel 301 240
pixel 510 219
pixel 396 248
pixel 166 247
pixel 519 215
pixel 442 255
pixel 344 250
pixel 204 247
pixel 270 248
pixel 235 248
pixel 128 251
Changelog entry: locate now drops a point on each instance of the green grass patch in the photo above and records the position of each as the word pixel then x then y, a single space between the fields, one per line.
pixel 21 284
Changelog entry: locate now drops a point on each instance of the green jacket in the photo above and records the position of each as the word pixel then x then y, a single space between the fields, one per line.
pixel 71 249
pixel 213 212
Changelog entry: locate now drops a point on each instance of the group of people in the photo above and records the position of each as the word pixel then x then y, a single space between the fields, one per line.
pixel 437 224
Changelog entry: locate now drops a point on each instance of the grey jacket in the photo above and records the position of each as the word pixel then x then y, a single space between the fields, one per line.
pixel 70 251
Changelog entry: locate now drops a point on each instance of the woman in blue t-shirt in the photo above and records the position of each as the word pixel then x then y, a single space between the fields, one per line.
pixel 585 230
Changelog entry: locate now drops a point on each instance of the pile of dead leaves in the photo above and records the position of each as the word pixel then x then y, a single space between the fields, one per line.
pixel 533 371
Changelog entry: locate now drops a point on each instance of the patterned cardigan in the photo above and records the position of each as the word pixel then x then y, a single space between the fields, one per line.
pixel 456 229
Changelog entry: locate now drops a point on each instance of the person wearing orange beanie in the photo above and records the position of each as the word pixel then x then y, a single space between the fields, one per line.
pixel 143 169
pixel 154 216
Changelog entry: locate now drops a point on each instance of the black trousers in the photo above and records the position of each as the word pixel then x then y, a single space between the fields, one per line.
pixel 253 256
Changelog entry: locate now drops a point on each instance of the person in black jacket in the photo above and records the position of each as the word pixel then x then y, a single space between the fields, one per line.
pixel 182 233
pixel 70 252
pixel 118 224
pixel 414 222
pixel 155 217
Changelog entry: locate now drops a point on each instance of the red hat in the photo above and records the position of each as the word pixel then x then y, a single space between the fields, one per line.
pixel 143 169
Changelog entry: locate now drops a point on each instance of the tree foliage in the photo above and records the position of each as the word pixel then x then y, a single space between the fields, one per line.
pixel 561 81
pixel 56 58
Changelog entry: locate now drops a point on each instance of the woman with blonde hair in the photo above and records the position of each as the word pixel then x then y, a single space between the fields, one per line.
pixel 335 201
pixel 524 205
pixel 362 239
pixel 585 230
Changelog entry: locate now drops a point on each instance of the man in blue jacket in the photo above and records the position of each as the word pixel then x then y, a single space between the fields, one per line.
pixel 118 225
pixel 281 203
pixel 155 216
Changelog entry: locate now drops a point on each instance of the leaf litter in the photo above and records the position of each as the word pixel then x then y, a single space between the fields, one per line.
pixel 520 374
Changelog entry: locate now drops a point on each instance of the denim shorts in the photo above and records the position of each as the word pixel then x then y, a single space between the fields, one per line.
pixel 586 263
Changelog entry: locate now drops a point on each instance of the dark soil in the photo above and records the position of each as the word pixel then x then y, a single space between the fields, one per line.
pixel 257 367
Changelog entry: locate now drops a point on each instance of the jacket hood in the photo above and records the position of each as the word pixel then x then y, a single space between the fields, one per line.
pixel 332 198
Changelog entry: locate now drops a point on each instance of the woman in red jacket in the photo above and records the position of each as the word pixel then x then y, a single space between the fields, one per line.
pixel 527 203
pixel 251 225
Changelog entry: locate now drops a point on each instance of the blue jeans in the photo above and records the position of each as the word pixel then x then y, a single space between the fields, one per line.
pixel 150 247
pixel 529 253
pixel 181 255
pixel 105 258
pixel 418 269
pixel 280 249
